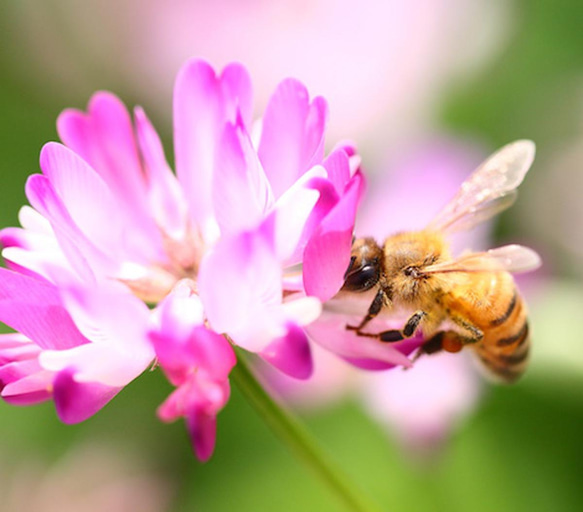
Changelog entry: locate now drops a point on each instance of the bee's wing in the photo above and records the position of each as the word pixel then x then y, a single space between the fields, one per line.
pixel 489 190
pixel 510 258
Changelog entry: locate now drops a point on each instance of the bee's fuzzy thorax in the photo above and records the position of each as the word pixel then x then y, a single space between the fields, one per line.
pixel 405 257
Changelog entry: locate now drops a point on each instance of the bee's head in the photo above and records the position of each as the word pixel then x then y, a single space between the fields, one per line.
pixel 364 270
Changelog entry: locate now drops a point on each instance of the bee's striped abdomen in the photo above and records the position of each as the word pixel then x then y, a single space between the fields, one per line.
pixel 505 348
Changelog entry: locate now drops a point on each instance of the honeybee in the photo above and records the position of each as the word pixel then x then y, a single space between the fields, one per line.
pixel 470 300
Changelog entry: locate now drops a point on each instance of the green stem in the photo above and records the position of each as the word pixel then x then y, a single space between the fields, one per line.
pixel 300 442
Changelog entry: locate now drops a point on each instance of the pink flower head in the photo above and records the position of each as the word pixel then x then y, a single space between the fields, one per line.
pixel 111 229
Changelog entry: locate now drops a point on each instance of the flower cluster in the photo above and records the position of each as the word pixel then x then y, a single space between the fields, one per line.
pixel 121 263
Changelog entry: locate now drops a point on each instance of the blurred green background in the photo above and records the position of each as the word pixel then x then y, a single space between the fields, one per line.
pixel 522 448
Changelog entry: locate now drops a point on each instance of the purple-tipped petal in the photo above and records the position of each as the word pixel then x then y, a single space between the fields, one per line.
pixel 75 401
pixel 120 349
pixel 34 308
pixel 327 254
pixel 202 429
pixel 198 400
pixel 203 103
pixel 292 137
pixel 291 353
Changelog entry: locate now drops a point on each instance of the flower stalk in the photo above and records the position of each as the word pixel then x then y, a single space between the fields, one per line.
pixel 298 439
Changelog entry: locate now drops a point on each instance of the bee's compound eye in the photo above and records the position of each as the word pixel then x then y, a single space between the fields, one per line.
pixel 361 279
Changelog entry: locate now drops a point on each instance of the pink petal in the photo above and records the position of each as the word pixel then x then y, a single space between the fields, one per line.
pixel 83 255
pixel 83 193
pixel 291 353
pixel 34 308
pixel 14 237
pixel 299 211
pixel 198 401
pixel 292 138
pixel 327 254
pixel 34 250
pixel 167 202
pixel 104 137
pixel 239 281
pixel 406 347
pixel 203 102
pixel 241 192
pixel 183 343
pixel 16 347
pixel 28 389
pixel 202 429
pixel 14 371
pixel 116 227
pixel 75 402
pixel 338 167
pixel 120 349
pixel 330 332
pixel 178 313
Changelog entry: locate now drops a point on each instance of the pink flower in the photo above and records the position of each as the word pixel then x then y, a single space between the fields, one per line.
pixel 112 229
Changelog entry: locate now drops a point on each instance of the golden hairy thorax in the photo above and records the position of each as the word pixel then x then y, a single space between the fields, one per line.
pixel 405 255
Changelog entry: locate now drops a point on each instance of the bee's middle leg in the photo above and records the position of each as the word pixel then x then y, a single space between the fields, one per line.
pixel 373 310
pixel 448 341
pixel 392 335
pixel 408 330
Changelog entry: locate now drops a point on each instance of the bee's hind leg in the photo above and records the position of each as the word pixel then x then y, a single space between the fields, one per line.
pixel 448 341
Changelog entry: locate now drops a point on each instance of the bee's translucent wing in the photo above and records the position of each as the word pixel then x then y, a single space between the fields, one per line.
pixel 510 258
pixel 489 190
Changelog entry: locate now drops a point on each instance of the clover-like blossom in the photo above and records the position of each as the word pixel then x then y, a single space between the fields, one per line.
pixel 112 230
